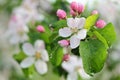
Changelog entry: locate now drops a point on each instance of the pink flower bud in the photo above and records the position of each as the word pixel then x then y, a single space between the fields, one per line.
pixel 63 43
pixel 100 24
pixel 94 12
pixel 40 28
pixel 61 14
pixel 74 6
pixel 66 57
pixel 73 13
pixel 80 8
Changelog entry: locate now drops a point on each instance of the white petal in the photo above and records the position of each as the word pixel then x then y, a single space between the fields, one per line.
pixel 82 34
pixel 41 67
pixel 74 60
pixel 67 65
pixel 44 55
pixel 27 62
pixel 83 74
pixel 39 45
pixel 80 62
pixel 28 49
pixel 70 65
pixel 65 32
pixel 72 76
pixel 25 28
pixel 15 39
pixel 74 42
pixel 80 22
pixel 71 22
pixel 24 37
pixel 77 22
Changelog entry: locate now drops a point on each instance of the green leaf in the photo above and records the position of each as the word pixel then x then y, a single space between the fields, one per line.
pixel 45 36
pixel 59 24
pixel 36 35
pixel 19 57
pixel 29 71
pixel 90 21
pixel 101 38
pixel 93 53
pixel 54 36
pixel 108 32
pixel 57 56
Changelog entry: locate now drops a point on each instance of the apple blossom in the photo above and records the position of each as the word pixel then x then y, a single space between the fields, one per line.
pixel 75 29
pixel 100 24
pixel 17 32
pixel 74 67
pixel 37 55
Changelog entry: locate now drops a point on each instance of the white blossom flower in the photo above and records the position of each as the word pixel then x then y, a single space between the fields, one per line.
pixel 37 55
pixel 17 32
pixel 74 67
pixel 27 13
pixel 76 29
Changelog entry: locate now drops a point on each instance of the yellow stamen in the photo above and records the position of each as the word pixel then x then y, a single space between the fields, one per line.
pixel 77 68
pixel 37 55
pixel 74 29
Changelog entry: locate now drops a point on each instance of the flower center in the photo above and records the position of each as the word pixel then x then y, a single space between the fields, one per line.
pixel 77 68
pixel 38 55
pixel 75 30
pixel 20 32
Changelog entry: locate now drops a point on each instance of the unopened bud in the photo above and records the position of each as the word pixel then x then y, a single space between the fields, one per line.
pixel 73 13
pixel 61 14
pixel 74 6
pixel 94 12
pixel 80 8
pixel 100 24
pixel 40 28
pixel 63 43
pixel 66 57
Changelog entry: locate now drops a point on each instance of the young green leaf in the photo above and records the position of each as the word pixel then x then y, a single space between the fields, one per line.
pixel 93 53
pixel 54 36
pixel 108 33
pixel 29 71
pixel 36 35
pixel 59 24
pixel 19 57
pixel 57 56
pixel 90 21
pixel 101 38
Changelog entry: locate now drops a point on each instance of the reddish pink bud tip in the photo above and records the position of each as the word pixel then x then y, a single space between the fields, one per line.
pixel 74 6
pixel 66 57
pixel 80 8
pixel 73 13
pixel 77 7
pixel 61 14
pixel 100 24
pixel 63 43
pixel 94 12
pixel 40 28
